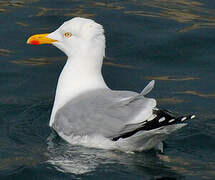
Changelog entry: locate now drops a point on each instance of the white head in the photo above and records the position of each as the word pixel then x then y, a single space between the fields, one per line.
pixel 83 41
pixel 75 37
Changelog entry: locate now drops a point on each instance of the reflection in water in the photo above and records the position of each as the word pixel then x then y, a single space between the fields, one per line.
pixel 64 12
pixel 182 11
pixel 51 60
pixel 12 164
pixel 168 78
pixel 190 167
pixel 73 159
pixel 108 5
pixel 81 160
pixel 5 52
pixel 22 24
pixel 6 4
pixel 169 101
pixel 119 65
pixel 198 25
pixel 198 94
pixel 31 27
pixel 80 13
pixel 38 61
pixel 23 1
pixel 193 13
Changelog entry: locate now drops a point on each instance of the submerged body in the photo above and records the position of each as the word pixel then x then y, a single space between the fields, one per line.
pixel 85 108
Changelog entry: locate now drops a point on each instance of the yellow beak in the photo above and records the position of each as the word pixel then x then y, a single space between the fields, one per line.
pixel 40 39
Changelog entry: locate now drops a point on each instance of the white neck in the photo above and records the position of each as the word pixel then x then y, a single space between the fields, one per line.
pixel 81 73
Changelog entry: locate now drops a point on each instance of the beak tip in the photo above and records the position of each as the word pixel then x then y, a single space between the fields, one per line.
pixel 28 41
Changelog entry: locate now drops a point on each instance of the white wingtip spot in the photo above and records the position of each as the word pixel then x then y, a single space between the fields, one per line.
pixel 161 119
pixel 184 118
pixel 193 116
pixel 171 120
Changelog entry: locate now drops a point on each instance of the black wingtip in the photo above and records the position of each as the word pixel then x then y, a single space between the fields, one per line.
pixel 162 118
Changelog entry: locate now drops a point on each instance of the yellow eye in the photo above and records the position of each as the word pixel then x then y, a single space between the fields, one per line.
pixel 68 34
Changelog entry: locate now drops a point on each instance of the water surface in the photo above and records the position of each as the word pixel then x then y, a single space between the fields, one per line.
pixel 171 41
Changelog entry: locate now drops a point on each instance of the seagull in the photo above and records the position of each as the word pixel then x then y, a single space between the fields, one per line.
pixel 87 108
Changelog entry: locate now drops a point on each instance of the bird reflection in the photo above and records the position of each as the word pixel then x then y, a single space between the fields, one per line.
pixel 80 160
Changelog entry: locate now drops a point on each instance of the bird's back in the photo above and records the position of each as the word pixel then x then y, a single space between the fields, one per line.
pixel 101 111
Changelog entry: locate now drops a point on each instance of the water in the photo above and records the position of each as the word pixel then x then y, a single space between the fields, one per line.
pixel 171 41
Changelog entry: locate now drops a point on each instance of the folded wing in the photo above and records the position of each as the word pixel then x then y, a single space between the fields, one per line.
pixel 102 111
pixel 112 114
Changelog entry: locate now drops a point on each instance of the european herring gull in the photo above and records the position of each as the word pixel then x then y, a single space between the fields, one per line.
pixel 86 110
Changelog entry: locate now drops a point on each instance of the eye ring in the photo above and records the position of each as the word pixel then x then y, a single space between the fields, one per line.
pixel 68 34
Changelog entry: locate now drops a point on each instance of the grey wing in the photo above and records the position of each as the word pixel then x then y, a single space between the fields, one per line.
pixel 103 112
pixel 113 114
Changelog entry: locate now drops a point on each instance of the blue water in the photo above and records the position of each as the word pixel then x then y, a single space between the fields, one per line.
pixel 171 41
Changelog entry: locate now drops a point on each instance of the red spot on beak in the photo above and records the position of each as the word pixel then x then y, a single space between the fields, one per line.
pixel 35 42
